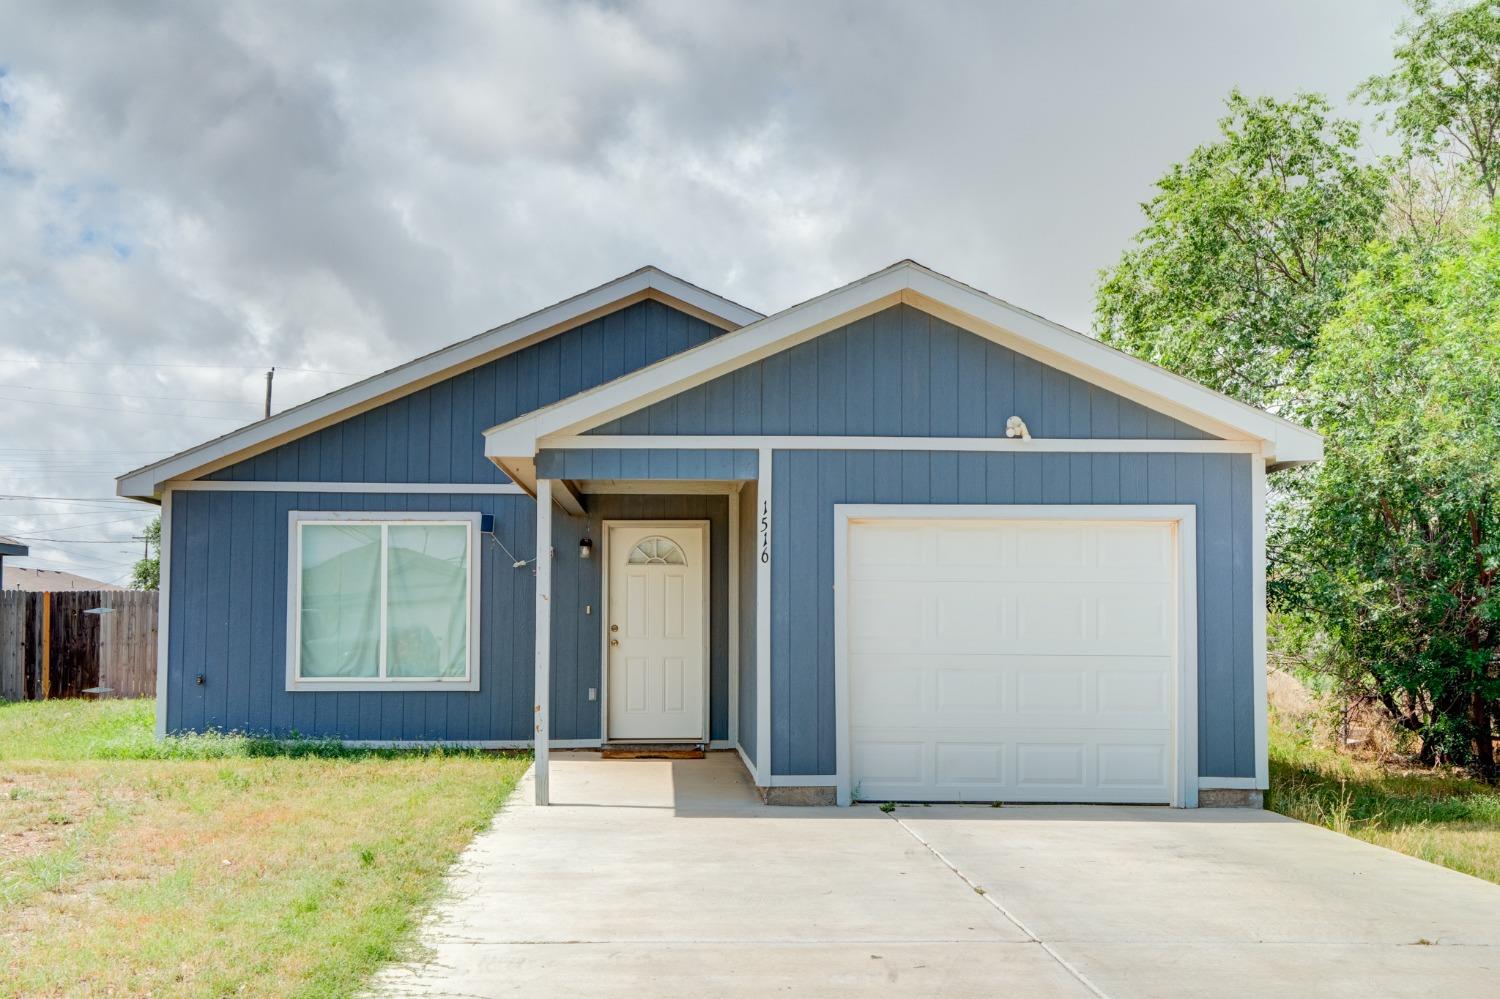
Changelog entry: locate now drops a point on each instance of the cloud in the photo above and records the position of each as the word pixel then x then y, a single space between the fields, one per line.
pixel 344 186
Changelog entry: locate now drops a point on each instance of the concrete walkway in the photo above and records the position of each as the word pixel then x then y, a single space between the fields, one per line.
pixel 655 878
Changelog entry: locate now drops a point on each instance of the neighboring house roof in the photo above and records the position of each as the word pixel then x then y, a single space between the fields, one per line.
pixel 1282 442
pixel 10 546
pixel 645 283
pixel 39 580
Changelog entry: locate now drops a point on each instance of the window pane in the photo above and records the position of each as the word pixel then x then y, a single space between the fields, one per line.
pixel 427 600
pixel 340 631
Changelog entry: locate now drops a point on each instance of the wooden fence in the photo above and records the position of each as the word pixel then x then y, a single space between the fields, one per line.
pixel 65 643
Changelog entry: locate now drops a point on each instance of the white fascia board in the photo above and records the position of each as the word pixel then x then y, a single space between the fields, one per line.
pixel 648 282
pixel 700 364
pixel 953 301
pixel 1120 372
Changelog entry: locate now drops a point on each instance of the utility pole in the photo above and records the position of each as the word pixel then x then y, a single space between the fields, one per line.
pixel 269 375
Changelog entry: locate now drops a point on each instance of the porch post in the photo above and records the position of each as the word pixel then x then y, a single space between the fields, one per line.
pixel 542 734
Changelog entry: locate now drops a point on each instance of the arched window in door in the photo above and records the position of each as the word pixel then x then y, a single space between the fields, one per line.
pixel 656 550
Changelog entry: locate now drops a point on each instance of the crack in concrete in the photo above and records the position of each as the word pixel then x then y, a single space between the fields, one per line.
pixel 1015 920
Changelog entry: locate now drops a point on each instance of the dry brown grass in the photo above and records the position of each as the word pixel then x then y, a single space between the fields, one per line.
pixel 250 876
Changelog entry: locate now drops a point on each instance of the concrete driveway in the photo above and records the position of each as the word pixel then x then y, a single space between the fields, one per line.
pixel 653 878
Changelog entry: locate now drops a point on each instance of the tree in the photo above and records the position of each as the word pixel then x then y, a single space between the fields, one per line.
pixel 1245 251
pixel 147 572
pixel 1445 90
pixel 1394 547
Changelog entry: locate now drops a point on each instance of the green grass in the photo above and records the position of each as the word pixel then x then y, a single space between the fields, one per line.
pixel 1441 816
pixel 218 865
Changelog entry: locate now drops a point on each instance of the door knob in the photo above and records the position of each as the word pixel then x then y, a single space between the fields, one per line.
pixel 614 642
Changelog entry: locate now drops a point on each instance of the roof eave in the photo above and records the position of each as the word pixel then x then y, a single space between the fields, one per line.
pixel 146 483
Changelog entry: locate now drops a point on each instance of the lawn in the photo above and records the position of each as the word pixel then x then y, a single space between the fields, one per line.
pixel 211 866
pixel 1441 816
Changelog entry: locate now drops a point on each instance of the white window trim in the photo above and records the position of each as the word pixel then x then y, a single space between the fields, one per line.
pixel 1182 517
pixel 295 682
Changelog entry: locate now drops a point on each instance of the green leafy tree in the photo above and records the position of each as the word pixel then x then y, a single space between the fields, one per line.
pixel 147 572
pixel 1246 248
pixel 1394 545
pixel 1444 94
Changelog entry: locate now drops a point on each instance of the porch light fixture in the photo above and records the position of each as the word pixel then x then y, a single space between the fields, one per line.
pixel 586 547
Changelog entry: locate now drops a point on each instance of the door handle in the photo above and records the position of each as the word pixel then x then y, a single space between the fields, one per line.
pixel 613 642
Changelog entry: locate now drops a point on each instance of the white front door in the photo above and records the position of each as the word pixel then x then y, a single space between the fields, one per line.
pixel 1012 660
pixel 657 632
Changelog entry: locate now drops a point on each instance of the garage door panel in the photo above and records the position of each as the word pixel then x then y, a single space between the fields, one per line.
pixel 1012 661
pixel 1017 551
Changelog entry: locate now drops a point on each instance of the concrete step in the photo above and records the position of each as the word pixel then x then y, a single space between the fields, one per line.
pixel 652 751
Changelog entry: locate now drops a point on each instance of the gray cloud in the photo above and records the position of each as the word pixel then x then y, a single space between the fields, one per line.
pixel 344 186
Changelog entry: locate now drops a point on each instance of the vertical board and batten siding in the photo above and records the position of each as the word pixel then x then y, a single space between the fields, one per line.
pixel 809 483
pixel 436 433
pixel 748 731
pixel 576 585
pixel 905 373
pixel 899 373
pixel 228 622
pixel 229 550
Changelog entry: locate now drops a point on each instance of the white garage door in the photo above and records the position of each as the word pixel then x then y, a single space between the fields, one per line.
pixel 1011 660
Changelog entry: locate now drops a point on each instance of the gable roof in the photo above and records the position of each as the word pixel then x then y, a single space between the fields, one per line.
pixel 646 283
pixel 1282 442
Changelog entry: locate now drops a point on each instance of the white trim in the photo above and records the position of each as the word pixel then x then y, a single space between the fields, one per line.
pixel 704 528
pixel 542 683
pixel 645 283
pixel 1258 622
pixel 749 767
pixel 803 780
pixel 658 487
pixel 297 519
pixel 763 497
pixel 915 285
pixel 1183 518
pixel 1230 784
pixel 1072 445
pixel 449 488
pixel 733 626
pixel 163 612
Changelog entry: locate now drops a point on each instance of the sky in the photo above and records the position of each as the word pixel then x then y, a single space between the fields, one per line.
pixel 190 193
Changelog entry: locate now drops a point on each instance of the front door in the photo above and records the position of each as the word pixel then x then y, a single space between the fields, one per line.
pixel 657 632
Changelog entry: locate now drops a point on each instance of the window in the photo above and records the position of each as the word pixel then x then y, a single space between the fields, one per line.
pixel 656 550
pixel 382 602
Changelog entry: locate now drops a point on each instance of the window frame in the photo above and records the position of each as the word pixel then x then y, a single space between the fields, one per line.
pixel 296 519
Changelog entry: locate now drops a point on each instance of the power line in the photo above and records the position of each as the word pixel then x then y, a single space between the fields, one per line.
pixel 91 500
pixel 94 523
pixel 71 541
pixel 151 364
pixel 118 395
pixel 132 412
pixel 80 450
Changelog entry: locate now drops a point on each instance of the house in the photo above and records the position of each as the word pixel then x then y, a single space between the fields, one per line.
pixel 15 577
pixel 900 541
pixel 10 546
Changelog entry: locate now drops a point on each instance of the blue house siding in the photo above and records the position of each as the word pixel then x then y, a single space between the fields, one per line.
pixel 749 732
pixel 228 620
pixel 576 584
pixel 436 433
pixel 646 463
pixel 899 373
pixel 807 485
